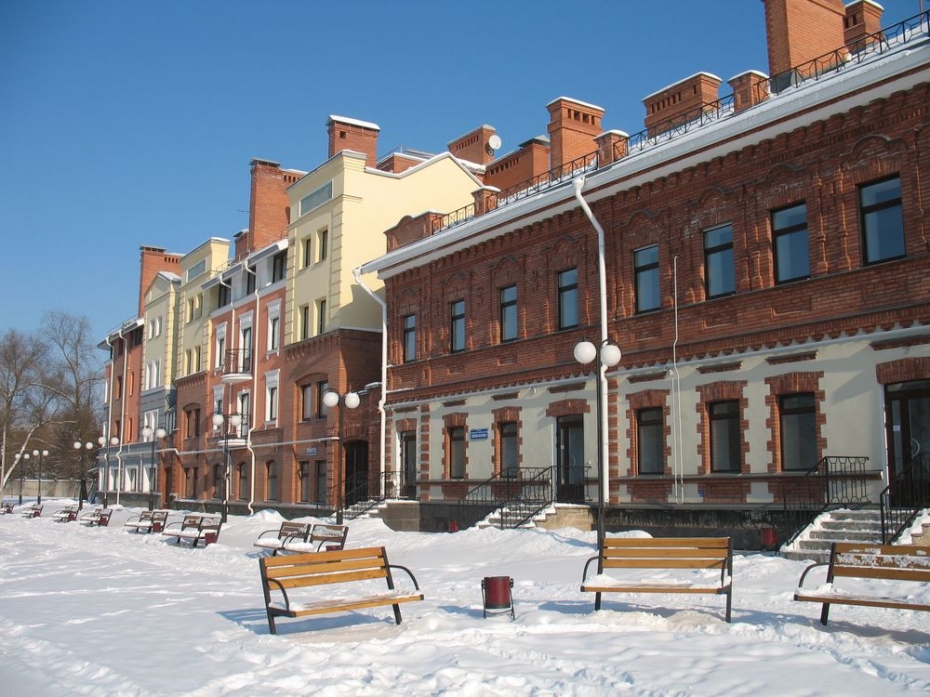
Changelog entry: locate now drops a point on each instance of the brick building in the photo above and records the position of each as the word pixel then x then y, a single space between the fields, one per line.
pixel 765 258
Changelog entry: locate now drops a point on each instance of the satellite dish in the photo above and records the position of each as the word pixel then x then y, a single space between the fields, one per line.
pixel 494 142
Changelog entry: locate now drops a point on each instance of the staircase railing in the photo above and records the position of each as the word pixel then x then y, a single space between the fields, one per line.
pixel 526 492
pixel 834 481
pixel 905 497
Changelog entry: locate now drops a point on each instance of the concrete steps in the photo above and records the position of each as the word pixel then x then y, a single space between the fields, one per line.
pixel 840 525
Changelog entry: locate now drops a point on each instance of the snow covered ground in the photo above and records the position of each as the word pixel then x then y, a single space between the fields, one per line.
pixel 103 611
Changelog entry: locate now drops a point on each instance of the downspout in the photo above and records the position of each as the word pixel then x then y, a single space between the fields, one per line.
pixel 107 434
pixel 384 344
pixel 578 184
pixel 122 420
pixel 248 436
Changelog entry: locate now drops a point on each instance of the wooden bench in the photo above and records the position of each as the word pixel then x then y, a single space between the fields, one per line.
pixel 66 514
pixel 98 516
pixel 195 529
pixel 861 560
pixel 148 521
pixel 33 511
pixel 288 532
pixel 694 554
pixel 323 537
pixel 320 570
pixel 6 507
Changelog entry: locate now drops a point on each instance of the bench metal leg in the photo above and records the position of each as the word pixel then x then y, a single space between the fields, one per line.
pixel 397 618
pixel 824 613
pixel 597 601
pixel 729 603
pixel 271 626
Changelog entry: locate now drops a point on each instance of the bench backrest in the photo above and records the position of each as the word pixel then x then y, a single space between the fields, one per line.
pixel 889 562
pixel 191 521
pixel 323 568
pixel 210 523
pixel 330 535
pixel 145 515
pixel 298 531
pixel 667 553
pixel 159 516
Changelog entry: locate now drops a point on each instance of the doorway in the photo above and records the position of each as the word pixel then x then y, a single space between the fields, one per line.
pixel 356 482
pixel 570 462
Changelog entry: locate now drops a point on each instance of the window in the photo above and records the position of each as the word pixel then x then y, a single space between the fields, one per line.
pixel 320 316
pixel 190 484
pixel 308 251
pixel 789 235
pixel 306 402
pixel 271 477
pixel 718 262
pixel 882 221
pixel 223 295
pixel 410 338
pixel 192 417
pixel 271 406
pixel 509 451
pixel 457 326
pixel 304 327
pixel 242 474
pixel 322 242
pixel 315 198
pixel 220 348
pixel 321 409
pixel 508 314
pixel 245 341
pixel 646 272
pixel 196 270
pixel 457 452
pixel 278 266
pixel 217 481
pixel 568 298
pixel 650 432
pixel 274 332
pixel 303 469
pixel 245 400
pixel 249 280
pixel 725 436
pixel 798 421
pixel 321 481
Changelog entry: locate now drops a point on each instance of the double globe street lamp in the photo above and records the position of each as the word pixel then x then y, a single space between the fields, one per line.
pixel 234 421
pixel 156 435
pixel 81 447
pixel 350 400
pixel 40 454
pixel 114 441
pixel 605 355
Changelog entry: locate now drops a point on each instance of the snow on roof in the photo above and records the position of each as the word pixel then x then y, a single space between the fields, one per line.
pixel 355 122
pixel 679 82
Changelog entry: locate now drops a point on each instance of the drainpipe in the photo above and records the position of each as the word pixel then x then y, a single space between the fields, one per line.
pixel 384 344
pixel 578 184
pixel 107 431
pixel 122 421
pixel 248 436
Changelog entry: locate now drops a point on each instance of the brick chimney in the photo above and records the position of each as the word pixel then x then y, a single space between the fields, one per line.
pixel 681 99
pixel 863 18
pixel 153 261
pixel 351 134
pixel 475 146
pixel 530 160
pixel 801 30
pixel 269 211
pixel 573 126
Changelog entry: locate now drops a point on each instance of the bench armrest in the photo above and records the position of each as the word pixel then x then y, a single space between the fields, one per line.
pixel 810 568
pixel 168 525
pixel 584 574
pixel 409 573
pixel 287 601
pixel 268 532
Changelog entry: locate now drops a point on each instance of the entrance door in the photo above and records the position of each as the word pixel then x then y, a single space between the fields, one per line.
pixel 570 459
pixel 356 472
pixel 908 406
pixel 408 449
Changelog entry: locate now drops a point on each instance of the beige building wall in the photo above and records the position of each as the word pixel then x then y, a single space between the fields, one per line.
pixel 194 333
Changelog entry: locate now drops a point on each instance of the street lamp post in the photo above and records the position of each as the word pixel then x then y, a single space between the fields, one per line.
pixel 350 400
pixel 155 435
pixel 80 447
pixel 22 475
pixel 234 420
pixel 606 355
pixel 39 454
pixel 114 441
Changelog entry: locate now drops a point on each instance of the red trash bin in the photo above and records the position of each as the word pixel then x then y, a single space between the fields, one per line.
pixel 497 596
pixel 769 539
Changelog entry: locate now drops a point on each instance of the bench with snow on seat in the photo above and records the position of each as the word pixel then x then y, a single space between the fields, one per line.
pixel 148 521
pixel 66 514
pixel 6 507
pixel 869 562
pixel 344 576
pixel 692 556
pixel 274 540
pixel 98 516
pixel 323 538
pixel 33 511
pixel 195 529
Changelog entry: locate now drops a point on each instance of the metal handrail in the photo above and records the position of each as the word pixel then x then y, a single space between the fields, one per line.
pixel 237 361
pixel 524 493
pixel 906 496
pixel 835 480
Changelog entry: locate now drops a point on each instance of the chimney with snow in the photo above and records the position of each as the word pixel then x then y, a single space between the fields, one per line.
pixel 573 126
pixel 863 18
pixel 355 135
pixel 475 146
pixel 682 99
pixel 268 205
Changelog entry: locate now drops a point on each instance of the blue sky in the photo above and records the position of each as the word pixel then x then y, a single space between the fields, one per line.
pixel 129 123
